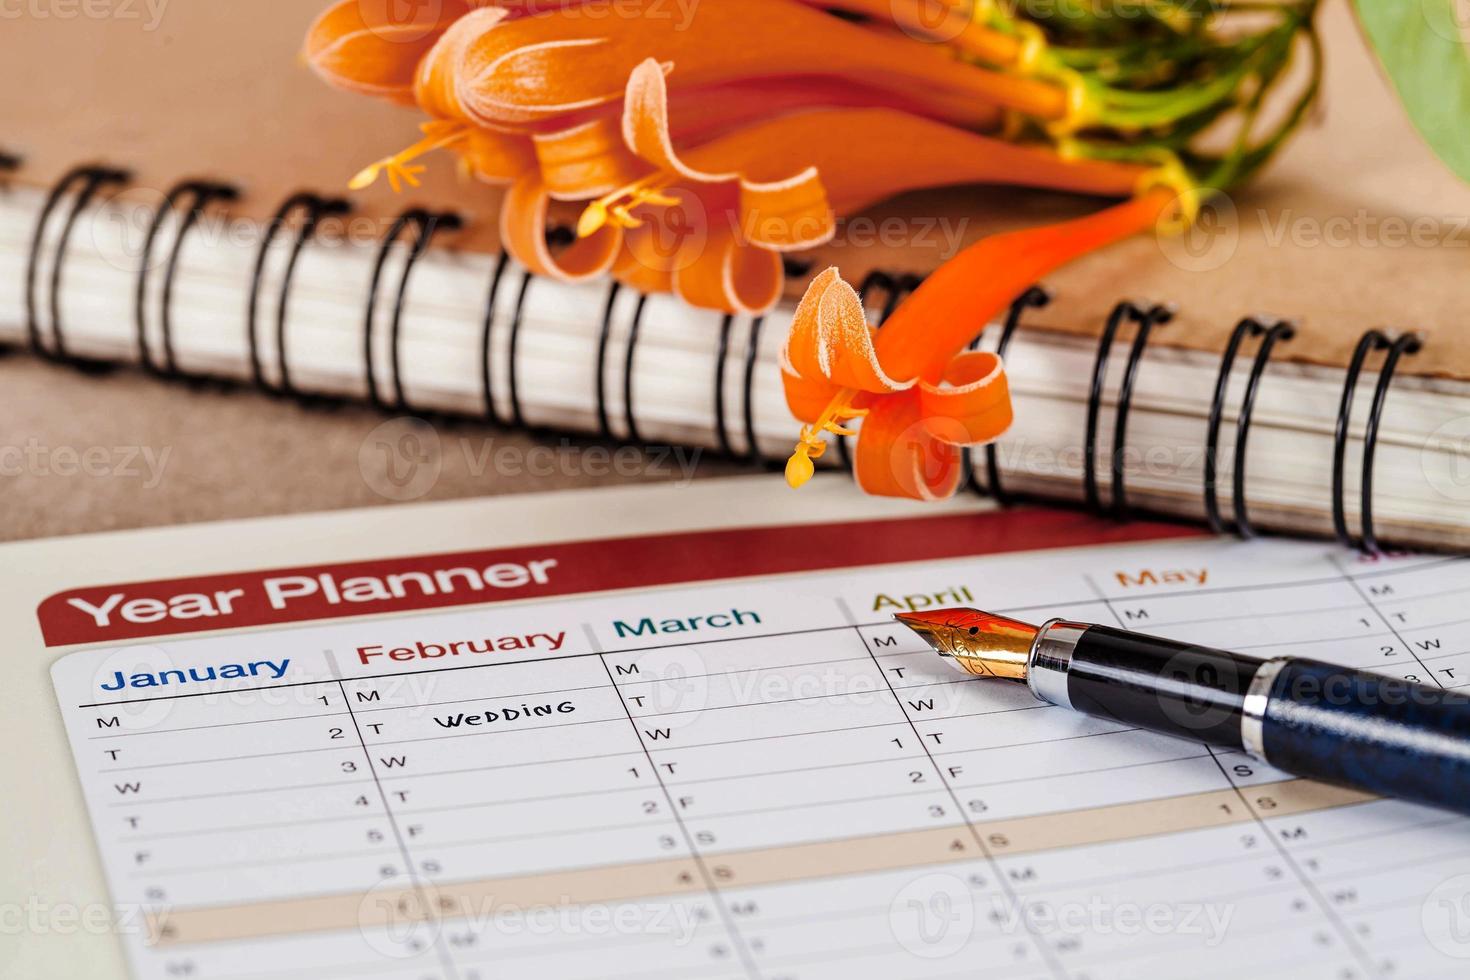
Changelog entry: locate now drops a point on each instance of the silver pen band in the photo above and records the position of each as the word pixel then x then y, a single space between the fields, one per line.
pixel 1253 708
pixel 1051 659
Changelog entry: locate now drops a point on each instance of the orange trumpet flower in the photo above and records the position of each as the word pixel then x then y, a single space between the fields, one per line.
pixel 764 128
pixel 780 184
pixel 787 168
pixel 532 70
pixel 919 394
pixel 497 151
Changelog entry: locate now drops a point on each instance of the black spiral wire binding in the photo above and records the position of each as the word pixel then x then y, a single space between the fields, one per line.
pixel 1035 297
pixel 604 339
pixel 604 344
pixel 513 384
pixel 1405 344
pixel 1146 321
pixel 207 193
pixel 1248 327
pixel 1369 342
pixel 1155 316
pixel 429 225
pixel 425 225
pixel 190 197
pixel 1122 311
pixel 722 429
pixel 85 181
pixel 1276 333
pixel 412 218
pixel 753 454
pixel 557 236
pixel 628 356
pixel 313 209
pixel 487 381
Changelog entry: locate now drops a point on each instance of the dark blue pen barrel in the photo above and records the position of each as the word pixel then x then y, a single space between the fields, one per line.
pixel 1164 686
pixel 1381 734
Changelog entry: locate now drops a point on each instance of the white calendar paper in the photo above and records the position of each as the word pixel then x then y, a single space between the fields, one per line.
pixel 553 761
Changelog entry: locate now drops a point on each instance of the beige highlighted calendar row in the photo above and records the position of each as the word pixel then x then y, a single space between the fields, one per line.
pixel 610 884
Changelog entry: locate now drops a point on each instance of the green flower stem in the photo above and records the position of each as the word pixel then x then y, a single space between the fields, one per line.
pixel 1157 76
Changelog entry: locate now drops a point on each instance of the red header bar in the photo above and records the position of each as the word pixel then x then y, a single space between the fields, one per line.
pixel 292 595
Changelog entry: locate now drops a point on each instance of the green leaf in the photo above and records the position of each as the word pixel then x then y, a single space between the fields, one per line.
pixel 1426 51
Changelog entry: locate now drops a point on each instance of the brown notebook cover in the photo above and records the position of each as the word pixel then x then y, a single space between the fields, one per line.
pixel 1355 226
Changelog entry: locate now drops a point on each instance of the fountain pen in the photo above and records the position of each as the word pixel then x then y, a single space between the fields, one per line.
pixel 1384 735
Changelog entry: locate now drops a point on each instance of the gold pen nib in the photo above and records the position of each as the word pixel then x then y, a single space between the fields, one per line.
pixel 980 643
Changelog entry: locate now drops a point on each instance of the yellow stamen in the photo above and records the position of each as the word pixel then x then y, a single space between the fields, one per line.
pixel 624 217
pixel 397 167
pixel 618 206
pixel 810 444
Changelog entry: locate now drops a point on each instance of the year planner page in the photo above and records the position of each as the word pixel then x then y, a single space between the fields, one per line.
pixel 676 733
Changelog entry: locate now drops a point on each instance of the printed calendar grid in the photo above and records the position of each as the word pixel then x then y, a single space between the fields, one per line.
pixel 765 946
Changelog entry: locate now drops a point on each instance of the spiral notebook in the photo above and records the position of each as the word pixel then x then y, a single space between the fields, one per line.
pixel 1296 365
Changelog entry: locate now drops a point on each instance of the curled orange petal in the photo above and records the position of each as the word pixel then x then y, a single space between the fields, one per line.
pixel 588 160
pixel 897 456
pixel 906 444
pixel 787 215
pixel 830 339
pixel 644 263
pixel 358 47
pixel 806 397
pixel 781 203
pixel 523 233
pixel 730 275
pixel 646 124
pixel 973 406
